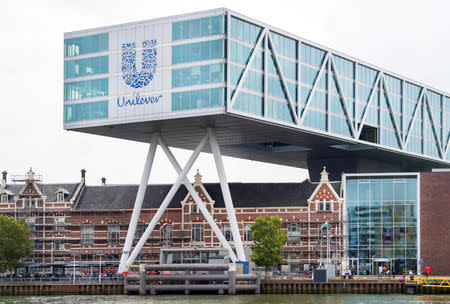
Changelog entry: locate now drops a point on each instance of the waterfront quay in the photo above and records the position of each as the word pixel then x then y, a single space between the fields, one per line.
pixel 359 285
pixel 41 288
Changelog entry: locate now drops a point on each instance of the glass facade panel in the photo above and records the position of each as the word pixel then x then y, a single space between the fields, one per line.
pixel 207 98
pixel 86 89
pixel 188 29
pixel 85 45
pixel 86 111
pixel 85 67
pixel 244 31
pixel 193 52
pixel 197 75
pixel 382 223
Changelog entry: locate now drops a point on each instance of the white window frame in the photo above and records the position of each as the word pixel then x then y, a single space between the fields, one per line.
pixel 4 198
pixel 226 230
pixel 60 197
pixel 113 235
pixel 197 233
pixel 247 232
pixel 86 235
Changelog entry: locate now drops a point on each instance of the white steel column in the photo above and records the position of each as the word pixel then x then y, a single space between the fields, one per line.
pixel 138 203
pixel 198 201
pixel 166 201
pixel 226 195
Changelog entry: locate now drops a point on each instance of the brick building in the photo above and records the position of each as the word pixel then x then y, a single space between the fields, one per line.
pixel 88 224
pixel 435 221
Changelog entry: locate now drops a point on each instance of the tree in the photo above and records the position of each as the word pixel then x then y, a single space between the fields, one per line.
pixel 15 243
pixel 268 238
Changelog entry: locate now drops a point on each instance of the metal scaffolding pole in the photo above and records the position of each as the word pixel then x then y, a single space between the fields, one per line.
pixel 226 195
pixel 166 201
pixel 138 203
pixel 198 201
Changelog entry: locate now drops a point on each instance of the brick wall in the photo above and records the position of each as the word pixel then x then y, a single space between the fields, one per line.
pixel 435 221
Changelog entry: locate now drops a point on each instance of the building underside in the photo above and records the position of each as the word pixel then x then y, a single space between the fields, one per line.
pixel 272 143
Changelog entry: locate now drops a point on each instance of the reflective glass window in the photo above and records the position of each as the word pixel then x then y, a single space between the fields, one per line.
pixel 86 111
pixel 197 28
pixel 85 67
pixel 85 45
pixel 197 99
pixel 86 89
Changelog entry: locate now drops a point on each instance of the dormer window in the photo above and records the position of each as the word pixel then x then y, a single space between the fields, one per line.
pixel 60 197
pixel 4 198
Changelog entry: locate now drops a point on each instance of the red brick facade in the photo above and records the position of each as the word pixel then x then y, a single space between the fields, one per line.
pixel 435 221
pixel 64 233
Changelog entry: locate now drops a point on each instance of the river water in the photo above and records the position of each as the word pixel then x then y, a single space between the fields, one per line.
pixel 237 299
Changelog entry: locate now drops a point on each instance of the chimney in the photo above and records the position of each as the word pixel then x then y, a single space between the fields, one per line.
pixel 103 181
pixel 4 173
pixel 324 176
pixel 83 174
pixel 197 179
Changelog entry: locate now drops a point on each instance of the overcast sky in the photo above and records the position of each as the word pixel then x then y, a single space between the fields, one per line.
pixel 411 38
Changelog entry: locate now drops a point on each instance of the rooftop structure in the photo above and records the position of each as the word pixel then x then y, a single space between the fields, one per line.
pixel 270 95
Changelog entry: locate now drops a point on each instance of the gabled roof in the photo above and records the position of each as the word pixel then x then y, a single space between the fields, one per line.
pixel 324 190
pixel 244 195
pixel 6 191
pixel 48 190
pixel 62 190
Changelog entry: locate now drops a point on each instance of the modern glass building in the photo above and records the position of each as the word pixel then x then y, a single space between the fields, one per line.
pixel 382 222
pixel 266 91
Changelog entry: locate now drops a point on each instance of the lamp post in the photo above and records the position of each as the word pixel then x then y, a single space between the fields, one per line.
pixel 100 253
pixel 51 256
pixel 74 255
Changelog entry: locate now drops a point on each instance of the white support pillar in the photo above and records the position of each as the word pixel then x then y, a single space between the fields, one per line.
pixel 226 195
pixel 198 201
pixel 138 203
pixel 166 201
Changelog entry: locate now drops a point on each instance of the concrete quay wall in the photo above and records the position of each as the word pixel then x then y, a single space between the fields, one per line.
pixel 58 288
pixel 366 286
pixel 272 286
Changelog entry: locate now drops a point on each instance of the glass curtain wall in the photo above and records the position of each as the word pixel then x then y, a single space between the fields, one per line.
pixel 199 81
pixel 86 88
pixel 344 91
pixel 382 223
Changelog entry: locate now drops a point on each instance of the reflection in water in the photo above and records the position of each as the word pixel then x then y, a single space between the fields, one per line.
pixel 238 299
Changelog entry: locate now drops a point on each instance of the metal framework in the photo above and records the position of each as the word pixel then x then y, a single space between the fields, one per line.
pixel 433 281
pixel 129 256
pixel 402 127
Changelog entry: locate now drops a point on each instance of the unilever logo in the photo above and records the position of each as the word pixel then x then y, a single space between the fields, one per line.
pixel 140 79
pixel 132 77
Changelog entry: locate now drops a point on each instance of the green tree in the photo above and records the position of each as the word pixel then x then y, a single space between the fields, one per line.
pixel 15 243
pixel 268 238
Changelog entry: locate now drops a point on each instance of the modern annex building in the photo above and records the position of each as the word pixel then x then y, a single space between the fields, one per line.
pixel 253 90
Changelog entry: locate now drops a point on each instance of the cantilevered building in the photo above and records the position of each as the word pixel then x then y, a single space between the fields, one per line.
pixel 253 91
pixel 272 96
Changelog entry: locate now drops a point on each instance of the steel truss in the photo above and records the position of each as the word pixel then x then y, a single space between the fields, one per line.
pixel 127 259
pixel 402 125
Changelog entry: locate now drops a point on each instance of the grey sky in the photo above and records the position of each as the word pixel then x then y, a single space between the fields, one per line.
pixel 411 38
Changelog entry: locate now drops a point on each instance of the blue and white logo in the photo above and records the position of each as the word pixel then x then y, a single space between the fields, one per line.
pixel 132 77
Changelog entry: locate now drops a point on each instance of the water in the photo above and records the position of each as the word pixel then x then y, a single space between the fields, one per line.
pixel 238 299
